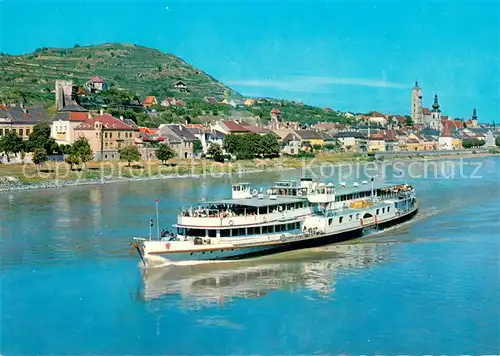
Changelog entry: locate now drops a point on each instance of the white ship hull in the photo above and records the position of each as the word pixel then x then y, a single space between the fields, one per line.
pixel 151 250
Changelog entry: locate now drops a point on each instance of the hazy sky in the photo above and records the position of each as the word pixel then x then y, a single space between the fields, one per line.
pixel 357 56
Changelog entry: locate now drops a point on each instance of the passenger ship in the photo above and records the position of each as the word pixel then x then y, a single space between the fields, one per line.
pixel 290 215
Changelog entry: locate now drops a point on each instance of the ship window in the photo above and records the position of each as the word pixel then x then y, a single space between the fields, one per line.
pixel 388 209
pixel 330 221
pixel 180 231
pixel 290 226
pixel 224 233
pixel 265 229
pixel 340 219
pixel 378 211
pixel 350 217
pixel 212 233
pixel 357 216
pixel 383 210
pixel 297 225
pixel 195 232
pixel 263 210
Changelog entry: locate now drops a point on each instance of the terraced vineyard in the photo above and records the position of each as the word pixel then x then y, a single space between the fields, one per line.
pixel 141 70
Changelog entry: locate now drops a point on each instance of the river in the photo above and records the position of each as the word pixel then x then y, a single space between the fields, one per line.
pixel 430 286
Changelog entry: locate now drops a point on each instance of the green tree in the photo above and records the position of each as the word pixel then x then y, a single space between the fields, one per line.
pixel 72 159
pixel 39 156
pixel 81 149
pixel 497 141
pixel 215 151
pixel 270 146
pixel 11 143
pixel 165 152
pixel 197 146
pixel 409 121
pixel 40 138
pixel 130 154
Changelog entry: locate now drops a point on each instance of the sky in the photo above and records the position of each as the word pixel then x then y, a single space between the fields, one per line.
pixel 350 56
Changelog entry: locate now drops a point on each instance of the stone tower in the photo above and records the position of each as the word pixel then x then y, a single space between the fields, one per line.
pixel 416 104
pixel 436 114
pixel 64 90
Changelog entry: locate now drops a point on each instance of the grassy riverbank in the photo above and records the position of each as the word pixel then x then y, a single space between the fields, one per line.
pixel 60 171
pixel 100 172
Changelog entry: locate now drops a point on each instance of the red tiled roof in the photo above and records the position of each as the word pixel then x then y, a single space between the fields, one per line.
pixel 95 79
pixel 233 126
pixel 149 99
pixel 275 111
pixel 195 126
pixel 447 127
pixel 376 136
pixel 459 124
pixel 327 110
pixel 108 121
pixel 180 103
pixel 148 131
pixel 78 116
pixel 376 114
pixel 426 111
pixel 211 99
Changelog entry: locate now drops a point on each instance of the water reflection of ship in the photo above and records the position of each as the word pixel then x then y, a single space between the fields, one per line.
pixel 219 282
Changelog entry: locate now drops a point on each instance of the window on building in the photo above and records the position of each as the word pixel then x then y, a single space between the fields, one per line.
pixel 27 132
pixel 105 135
pixel 1 132
pixel 110 135
pixel 119 134
pixel 21 132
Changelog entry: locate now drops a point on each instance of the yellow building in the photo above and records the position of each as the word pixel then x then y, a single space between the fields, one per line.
pixel 310 137
pixel 21 120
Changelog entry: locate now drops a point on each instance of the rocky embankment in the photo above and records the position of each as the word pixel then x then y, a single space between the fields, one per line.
pixel 8 184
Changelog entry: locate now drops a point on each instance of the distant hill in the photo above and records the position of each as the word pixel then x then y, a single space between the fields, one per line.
pixel 141 70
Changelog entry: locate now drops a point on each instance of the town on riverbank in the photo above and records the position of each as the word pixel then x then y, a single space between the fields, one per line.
pixel 95 130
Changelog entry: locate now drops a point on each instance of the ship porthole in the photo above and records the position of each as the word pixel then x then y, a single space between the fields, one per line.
pixel 191 253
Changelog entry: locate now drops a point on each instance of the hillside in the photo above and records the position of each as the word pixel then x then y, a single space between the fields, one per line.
pixel 141 70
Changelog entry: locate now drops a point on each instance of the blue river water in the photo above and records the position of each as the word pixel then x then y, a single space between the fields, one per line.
pixel 69 285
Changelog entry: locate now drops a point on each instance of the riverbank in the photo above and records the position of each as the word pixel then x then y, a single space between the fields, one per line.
pixel 59 175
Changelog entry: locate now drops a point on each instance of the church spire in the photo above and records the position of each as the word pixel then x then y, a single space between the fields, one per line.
pixel 474 114
pixel 435 106
pixel 416 84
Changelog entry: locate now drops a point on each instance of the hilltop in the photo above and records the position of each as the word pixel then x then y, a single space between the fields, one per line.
pixel 141 70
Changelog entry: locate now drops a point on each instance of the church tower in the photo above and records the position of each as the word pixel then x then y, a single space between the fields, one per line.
pixel 474 118
pixel 416 104
pixel 436 114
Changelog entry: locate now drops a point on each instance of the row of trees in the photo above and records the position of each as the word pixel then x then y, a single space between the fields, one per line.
pixel 251 145
pixel 470 143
